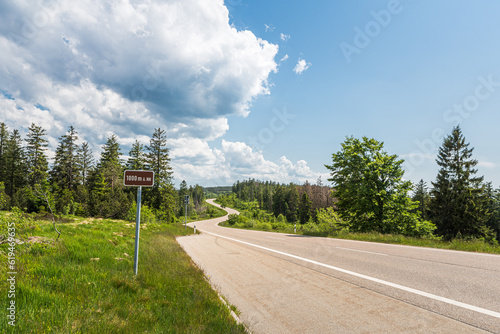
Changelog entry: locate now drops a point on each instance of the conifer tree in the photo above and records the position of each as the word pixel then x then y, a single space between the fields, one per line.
pixel 4 138
pixel 35 153
pixel 110 164
pixel 85 162
pixel 65 170
pixel 15 167
pixel 421 195
pixel 305 209
pixel 458 205
pixel 136 160
pixel 162 195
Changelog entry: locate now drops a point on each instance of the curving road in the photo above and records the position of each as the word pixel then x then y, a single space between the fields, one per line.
pixel 285 283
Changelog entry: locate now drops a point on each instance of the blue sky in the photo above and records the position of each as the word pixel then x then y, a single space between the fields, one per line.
pixel 262 89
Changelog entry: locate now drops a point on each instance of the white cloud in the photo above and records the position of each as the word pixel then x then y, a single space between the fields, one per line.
pixel 234 161
pixel 285 57
pixel 301 66
pixel 180 58
pixel 284 37
pixel 269 27
pixel 486 164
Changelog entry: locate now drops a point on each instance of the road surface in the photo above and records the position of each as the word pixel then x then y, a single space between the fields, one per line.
pixel 285 283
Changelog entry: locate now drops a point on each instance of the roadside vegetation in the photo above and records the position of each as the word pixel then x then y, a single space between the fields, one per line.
pixel 370 200
pixel 83 282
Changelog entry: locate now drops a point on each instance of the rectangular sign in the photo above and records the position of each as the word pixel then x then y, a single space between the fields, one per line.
pixel 139 178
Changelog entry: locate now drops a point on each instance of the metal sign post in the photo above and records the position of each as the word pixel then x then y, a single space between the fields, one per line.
pixel 138 178
pixel 137 229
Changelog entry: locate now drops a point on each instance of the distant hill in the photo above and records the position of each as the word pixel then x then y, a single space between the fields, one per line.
pixel 217 190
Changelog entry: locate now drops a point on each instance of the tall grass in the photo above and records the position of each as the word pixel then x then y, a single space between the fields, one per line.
pixel 84 283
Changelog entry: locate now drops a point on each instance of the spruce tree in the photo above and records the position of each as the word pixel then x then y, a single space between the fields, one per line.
pixel 4 139
pixel 85 163
pixel 15 167
pixel 65 170
pixel 305 209
pixel 136 160
pixel 110 164
pixel 35 153
pixel 421 195
pixel 458 205
pixel 162 195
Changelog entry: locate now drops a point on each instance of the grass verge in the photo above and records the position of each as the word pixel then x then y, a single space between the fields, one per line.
pixel 308 229
pixel 83 282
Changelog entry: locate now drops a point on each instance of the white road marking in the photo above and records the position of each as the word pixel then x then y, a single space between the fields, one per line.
pixel 373 279
pixel 357 250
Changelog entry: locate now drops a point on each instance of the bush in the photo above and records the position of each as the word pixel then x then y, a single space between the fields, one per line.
pixel 147 215
pixel 232 219
pixel 263 226
pixel 279 225
pixel 329 221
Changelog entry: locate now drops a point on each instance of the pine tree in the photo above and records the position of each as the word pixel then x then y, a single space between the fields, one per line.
pixel 421 195
pixel 110 163
pixel 85 163
pixel 4 139
pixel 458 206
pixel 65 170
pixel 136 160
pixel 293 204
pixel 15 167
pixel 304 209
pixel 162 195
pixel 35 153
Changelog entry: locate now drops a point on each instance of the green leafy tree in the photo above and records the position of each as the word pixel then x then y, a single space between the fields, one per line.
pixel 458 205
pixel 368 185
pixel 35 153
pixel 4 199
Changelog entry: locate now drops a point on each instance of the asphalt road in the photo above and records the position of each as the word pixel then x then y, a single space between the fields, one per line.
pixel 285 283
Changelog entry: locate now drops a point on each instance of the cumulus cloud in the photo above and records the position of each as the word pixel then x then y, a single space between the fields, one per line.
pixel 301 66
pixel 284 37
pixel 285 57
pixel 180 58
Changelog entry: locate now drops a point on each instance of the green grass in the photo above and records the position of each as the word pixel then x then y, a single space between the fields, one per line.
pixel 456 244
pixel 84 283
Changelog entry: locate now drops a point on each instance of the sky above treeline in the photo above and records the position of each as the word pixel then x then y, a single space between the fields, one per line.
pixel 257 89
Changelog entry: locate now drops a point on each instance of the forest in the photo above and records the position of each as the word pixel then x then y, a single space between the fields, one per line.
pixel 77 184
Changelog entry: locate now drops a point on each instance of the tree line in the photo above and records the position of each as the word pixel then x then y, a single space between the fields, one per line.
pixel 295 202
pixel 77 184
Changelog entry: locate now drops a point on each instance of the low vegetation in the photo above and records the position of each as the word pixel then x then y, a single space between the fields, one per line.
pixel 83 281
pixel 329 224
